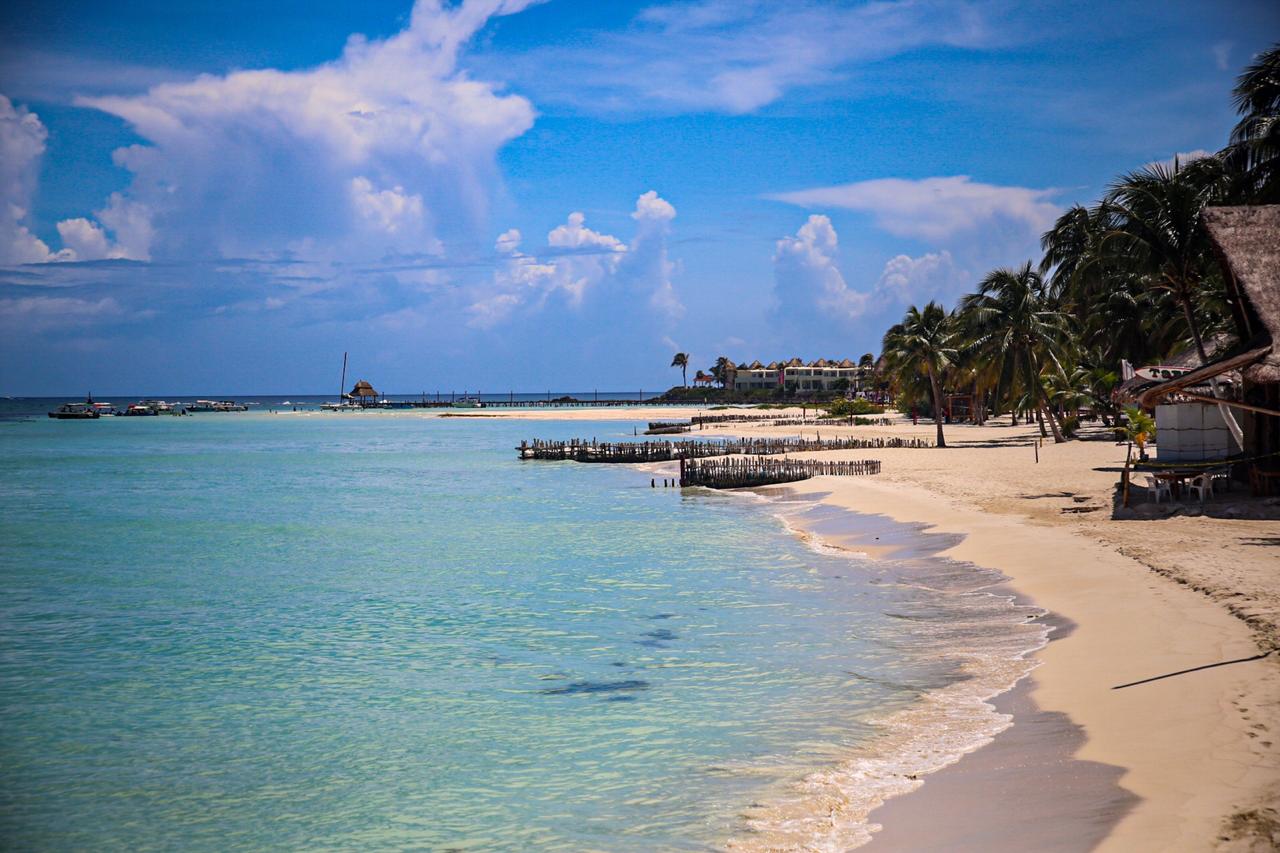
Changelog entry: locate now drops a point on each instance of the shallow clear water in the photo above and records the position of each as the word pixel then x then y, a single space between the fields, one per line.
pixel 256 631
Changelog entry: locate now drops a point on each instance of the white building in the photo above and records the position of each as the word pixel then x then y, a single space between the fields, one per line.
pixel 820 375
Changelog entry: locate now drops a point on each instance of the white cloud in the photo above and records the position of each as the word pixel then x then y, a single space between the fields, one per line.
pixel 22 137
pixel 1182 158
pixel 384 149
pixel 807 283
pixel 84 239
pixel 906 280
pixel 936 209
pixel 390 210
pixel 42 313
pixel 733 55
pixel 811 291
pixel 647 264
pixel 581 266
pixel 1222 54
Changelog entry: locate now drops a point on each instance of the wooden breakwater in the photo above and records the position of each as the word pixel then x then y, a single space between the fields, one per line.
pixel 582 450
pixel 702 421
pixel 667 427
pixel 746 473
pixel 855 420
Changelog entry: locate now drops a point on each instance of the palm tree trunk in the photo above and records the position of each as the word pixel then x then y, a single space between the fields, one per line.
pixel 1185 298
pixel 937 405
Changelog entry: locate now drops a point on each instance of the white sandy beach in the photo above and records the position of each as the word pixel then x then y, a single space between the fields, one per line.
pixel 1147 597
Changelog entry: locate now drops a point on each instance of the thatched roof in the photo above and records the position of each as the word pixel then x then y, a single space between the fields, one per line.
pixel 363 389
pixel 846 363
pixel 1248 244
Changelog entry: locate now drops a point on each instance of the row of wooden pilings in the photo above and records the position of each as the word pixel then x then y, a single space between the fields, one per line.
pixel 667 427
pixel 746 473
pixel 581 450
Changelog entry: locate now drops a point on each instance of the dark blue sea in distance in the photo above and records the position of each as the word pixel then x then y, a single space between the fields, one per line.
pixel 249 631
pixel 12 408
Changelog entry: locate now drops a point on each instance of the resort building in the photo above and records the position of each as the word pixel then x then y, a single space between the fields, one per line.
pixel 820 375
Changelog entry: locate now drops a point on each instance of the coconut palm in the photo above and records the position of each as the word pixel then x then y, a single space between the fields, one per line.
pixel 722 369
pixel 1254 150
pixel 1155 232
pixel 1015 323
pixel 922 345
pixel 681 360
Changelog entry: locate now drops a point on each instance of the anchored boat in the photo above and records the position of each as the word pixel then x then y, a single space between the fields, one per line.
pixel 75 412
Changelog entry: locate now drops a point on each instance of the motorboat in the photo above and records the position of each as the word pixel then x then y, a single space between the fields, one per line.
pixel 75 412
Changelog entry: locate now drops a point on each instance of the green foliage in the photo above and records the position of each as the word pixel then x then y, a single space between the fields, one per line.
pixel 846 408
pixel 1140 428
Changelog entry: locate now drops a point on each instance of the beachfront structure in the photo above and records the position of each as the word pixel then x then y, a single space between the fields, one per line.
pixel 1247 240
pixel 820 375
pixel 362 392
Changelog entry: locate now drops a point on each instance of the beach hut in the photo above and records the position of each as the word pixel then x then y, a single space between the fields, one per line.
pixel 362 392
pixel 1247 242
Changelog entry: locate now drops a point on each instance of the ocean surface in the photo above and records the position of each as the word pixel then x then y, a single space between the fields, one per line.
pixel 255 631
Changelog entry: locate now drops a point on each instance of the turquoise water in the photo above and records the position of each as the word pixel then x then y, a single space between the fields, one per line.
pixel 328 631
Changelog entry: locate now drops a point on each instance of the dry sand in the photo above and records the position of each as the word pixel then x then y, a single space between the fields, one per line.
pixel 1200 752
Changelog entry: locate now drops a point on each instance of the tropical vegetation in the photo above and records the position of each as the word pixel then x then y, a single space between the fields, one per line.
pixel 1131 278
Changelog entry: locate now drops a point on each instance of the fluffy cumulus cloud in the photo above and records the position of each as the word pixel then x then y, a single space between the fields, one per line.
pixel 906 280
pixel 808 283
pixel 584 269
pixel 386 150
pixel 937 209
pixel 811 292
pixel 22 137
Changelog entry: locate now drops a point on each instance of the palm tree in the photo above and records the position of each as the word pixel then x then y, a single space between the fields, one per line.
pixel 681 360
pixel 1155 232
pixel 721 370
pixel 922 345
pixel 1254 150
pixel 1015 323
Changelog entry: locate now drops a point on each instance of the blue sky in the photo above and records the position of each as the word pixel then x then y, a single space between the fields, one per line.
pixel 223 197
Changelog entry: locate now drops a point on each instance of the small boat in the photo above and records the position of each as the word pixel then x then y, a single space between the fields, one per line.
pixel 140 410
pixel 217 406
pixel 76 412
pixel 105 409
pixel 468 403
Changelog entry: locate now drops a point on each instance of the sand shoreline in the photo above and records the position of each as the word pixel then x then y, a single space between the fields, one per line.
pixel 1148 597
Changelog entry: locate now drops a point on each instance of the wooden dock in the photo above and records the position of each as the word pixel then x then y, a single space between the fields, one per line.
pixel 748 473
pixel 582 450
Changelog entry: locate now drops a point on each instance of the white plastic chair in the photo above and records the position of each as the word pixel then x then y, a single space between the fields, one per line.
pixel 1159 488
pixel 1202 486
